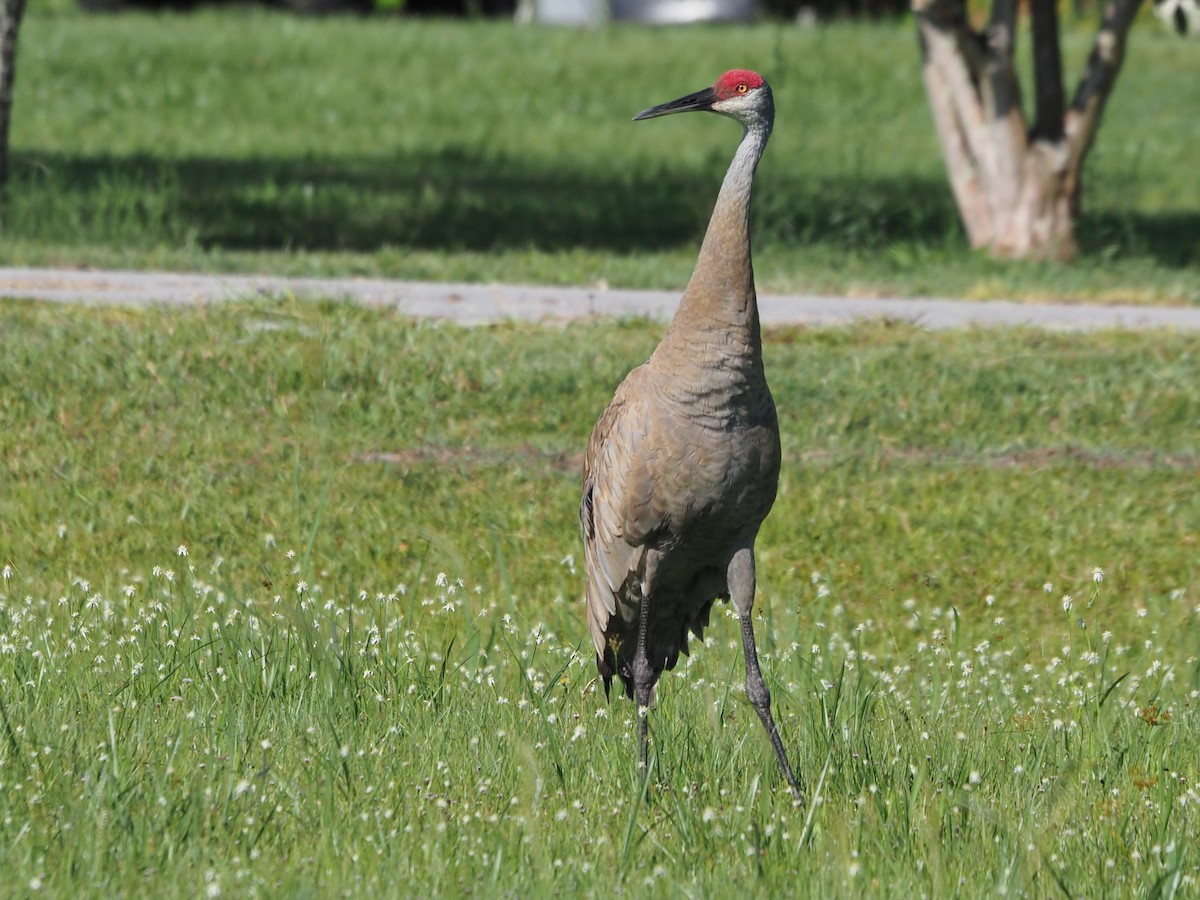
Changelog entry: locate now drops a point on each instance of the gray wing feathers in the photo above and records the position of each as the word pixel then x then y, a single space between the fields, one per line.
pixel 616 513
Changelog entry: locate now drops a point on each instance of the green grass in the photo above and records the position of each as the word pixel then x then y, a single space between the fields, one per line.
pixel 484 151
pixel 369 673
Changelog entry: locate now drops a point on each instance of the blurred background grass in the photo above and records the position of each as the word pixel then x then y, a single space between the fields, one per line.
pixel 253 140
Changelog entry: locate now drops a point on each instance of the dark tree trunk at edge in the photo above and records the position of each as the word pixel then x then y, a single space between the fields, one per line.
pixel 1017 186
pixel 11 12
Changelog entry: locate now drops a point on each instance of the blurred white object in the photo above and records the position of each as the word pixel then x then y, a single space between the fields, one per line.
pixel 674 12
pixel 562 12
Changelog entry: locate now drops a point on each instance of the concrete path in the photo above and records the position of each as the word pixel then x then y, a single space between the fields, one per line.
pixel 473 304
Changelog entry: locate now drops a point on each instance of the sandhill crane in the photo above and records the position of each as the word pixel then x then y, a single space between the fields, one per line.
pixel 682 467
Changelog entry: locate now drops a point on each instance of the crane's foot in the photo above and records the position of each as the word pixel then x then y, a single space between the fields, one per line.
pixel 643 714
pixel 764 713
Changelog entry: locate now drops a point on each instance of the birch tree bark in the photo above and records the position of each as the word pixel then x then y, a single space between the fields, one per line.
pixel 1017 185
pixel 11 12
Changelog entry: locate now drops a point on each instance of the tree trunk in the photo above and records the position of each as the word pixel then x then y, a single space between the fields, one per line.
pixel 1017 187
pixel 11 12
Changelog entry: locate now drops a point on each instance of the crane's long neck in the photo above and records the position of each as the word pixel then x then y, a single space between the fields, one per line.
pixel 720 298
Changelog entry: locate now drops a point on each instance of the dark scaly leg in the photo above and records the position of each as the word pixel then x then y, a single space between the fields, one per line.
pixel 760 697
pixel 741 580
pixel 643 683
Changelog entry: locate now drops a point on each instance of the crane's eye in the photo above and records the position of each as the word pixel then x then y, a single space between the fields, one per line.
pixel 742 87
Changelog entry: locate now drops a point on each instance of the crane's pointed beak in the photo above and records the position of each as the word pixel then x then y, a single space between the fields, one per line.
pixel 700 100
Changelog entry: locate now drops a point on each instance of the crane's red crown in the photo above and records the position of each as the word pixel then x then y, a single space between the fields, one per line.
pixel 737 81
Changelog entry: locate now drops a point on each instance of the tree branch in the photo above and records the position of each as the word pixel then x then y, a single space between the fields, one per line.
pixel 950 17
pixel 1047 71
pixel 998 136
pixel 1002 91
pixel 998 86
pixel 1099 75
pixel 1108 52
pixel 1003 16
pixel 11 12
pixel 976 102
pixel 957 115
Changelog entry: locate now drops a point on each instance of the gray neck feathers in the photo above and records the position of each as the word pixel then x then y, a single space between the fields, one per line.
pixel 720 296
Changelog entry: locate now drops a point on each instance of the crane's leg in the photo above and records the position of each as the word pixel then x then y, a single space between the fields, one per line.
pixel 643 683
pixel 741 580
pixel 760 697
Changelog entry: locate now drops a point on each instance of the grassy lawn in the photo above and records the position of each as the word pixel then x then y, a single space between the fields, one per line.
pixel 289 607
pixel 489 152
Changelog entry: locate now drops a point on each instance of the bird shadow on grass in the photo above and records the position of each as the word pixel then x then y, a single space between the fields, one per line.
pixel 460 201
